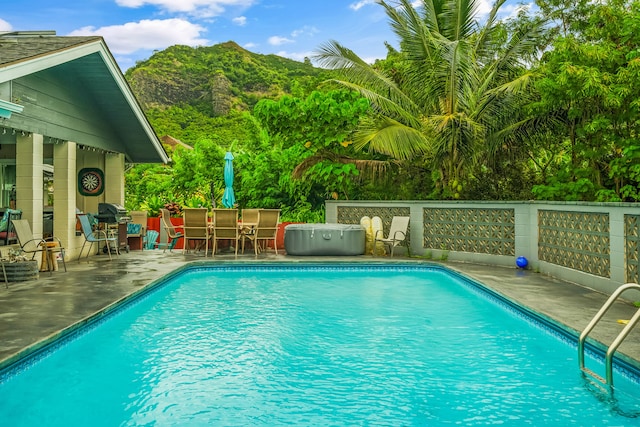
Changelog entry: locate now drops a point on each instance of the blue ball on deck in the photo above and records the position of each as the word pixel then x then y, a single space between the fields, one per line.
pixel 522 262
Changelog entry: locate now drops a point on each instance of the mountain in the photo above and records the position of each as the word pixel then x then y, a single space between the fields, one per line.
pixel 218 78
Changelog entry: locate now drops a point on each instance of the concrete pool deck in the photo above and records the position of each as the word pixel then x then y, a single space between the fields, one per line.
pixel 34 311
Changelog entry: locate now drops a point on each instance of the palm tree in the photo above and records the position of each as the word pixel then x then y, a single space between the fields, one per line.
pixel 460 91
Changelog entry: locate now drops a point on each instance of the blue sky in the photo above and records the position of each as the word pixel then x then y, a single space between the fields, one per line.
pixel 134 29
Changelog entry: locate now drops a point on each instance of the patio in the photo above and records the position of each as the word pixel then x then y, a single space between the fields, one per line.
pixel 34 310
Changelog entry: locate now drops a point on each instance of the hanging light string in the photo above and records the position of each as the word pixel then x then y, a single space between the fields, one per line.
pixel 14 131
pixel 95 150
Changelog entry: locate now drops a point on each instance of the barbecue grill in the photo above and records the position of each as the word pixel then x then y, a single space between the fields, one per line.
pixel 112 213
pixel 115 218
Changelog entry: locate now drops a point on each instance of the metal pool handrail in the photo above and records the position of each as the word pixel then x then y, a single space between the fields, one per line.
pixel 614 345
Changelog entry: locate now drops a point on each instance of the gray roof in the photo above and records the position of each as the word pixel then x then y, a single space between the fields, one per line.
pixel 16 48
pixel 72 89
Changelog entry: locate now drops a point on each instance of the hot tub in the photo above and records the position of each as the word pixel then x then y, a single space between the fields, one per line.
pixel 324 239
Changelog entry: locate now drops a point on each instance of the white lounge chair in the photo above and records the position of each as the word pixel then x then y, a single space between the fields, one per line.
pixel 397 233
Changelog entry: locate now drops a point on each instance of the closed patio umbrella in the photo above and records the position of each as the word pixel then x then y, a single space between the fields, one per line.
pixel 228 198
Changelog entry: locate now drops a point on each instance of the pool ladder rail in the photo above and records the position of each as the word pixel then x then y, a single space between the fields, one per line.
pixel 614 345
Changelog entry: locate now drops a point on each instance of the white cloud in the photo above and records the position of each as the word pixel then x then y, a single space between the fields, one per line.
pixel 306 30
pixel 240 20
pixel 512 10
pixel 297 56
pixel 506 11
pixel 482 10
pixel 250 45
pixel 372 59
pixel 202 8
pixel 277 40
pixel 5 26
pixel 484 7
pixel 360 4
pixel 146 35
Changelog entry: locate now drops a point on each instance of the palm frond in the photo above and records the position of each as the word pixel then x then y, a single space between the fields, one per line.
pixel 460 17
pixel 383 104
pixel 368 168
pixel 487 32
pixel 457 136
pixel 517 85
pixel 460 73
pixel 522 45
pixel 384 135
pixel 334 56
pixel 414 31
pixel 431 11
pixel 363 78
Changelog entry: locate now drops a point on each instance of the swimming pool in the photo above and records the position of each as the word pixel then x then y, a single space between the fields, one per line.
pixel 314 345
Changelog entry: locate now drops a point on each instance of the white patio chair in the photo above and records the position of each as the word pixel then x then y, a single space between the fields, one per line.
pixel 397 233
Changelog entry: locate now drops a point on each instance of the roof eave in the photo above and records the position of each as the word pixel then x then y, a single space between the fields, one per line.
pixel 29 65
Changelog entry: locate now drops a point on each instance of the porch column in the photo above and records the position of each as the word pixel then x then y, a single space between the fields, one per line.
pixel 30 180
pixel 114 178
pixel 64 186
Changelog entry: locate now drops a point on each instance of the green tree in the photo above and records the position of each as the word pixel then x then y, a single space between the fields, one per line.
pixel 321 126
pixel 195 171
pixel 146 186
pixel 592 84
pixel 265 180
pixel 459 93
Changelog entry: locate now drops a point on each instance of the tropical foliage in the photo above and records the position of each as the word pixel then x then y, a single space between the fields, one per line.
pixel 460 91
pixel 541 105
pixel 591 84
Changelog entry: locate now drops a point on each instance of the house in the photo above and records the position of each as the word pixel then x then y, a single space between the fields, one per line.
pixel 69 125
pixel 172 143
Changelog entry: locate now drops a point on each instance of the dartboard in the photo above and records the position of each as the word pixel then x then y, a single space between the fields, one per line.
pixel 90 182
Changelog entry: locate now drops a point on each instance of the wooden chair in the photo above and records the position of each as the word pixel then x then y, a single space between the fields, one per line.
pixel 225 227
pixel 249 217
pixel 196 227
pixel 173 235
pixel 248 222
pixel 267 229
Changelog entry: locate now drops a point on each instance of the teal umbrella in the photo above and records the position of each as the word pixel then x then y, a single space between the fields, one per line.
pixel 228 198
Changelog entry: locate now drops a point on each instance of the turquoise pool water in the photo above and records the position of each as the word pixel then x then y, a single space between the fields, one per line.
pixel 314 345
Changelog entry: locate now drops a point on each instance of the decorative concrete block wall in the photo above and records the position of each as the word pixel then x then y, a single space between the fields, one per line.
pixel 478 230
pixel 577 240
pixel 632 247
pixel 594 244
